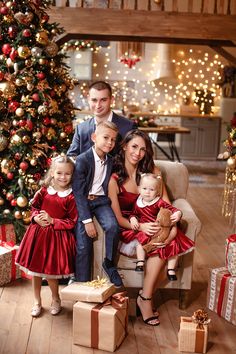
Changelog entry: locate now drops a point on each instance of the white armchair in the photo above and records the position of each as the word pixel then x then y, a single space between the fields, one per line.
pixel 176 178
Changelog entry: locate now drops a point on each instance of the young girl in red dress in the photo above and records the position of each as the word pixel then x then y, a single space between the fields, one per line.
pixel 146 209
pixel 48 247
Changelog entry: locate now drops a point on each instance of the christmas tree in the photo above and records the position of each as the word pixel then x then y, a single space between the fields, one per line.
pixel 36 113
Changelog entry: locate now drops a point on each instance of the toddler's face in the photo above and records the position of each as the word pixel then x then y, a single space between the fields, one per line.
pixel 148 189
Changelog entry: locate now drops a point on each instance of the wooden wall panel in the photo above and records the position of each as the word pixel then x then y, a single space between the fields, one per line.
pixel 183 5
pixel 233 7
pixel 142 4
pixel 168 5
pixel 129 4
pixel 208 6
pixel 222 6
pixel 115 4
pixel 196 6
pixel 102 4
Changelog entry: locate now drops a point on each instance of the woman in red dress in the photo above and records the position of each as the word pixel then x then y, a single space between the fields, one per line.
pixel 136 157
pixel 48 247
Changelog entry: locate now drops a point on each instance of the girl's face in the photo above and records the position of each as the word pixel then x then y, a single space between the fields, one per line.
pixel 62 175
pixel 135 150
pixel 148 189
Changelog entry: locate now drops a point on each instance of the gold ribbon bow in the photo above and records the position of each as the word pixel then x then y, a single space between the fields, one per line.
pixel 201 318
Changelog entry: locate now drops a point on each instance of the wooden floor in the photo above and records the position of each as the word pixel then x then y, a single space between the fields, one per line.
pixel 20 334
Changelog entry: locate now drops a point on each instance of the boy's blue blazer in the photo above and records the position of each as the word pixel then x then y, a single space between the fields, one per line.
pixel 83 179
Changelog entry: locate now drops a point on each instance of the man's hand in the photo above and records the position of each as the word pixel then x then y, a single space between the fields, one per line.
pixel 90 229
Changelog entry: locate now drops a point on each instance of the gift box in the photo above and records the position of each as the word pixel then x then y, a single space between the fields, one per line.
pixel 221 294
pixel 7 233
pixel 88 291
pixel 101 326
pixel 230 253
pixel 192 336
pixel 8 269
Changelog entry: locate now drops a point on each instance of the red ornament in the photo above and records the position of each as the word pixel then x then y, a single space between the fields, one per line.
pixel 6 48
pixel 35 97
pixel 10 175
pixel 68 128
pixel 41 75
pixel 9 196
pixel 13 54
pixel 130 62
pixel 24 165
pixel 53 148
pixel 22 123
pixel 1 75
pixel 13 105
pixel 17 156
pixel 29 124
pixel 52 93
pixel 12 32
pixel 4 10
pixel 37 177
pixel 13 202
pixel 46 121
pixel 26 33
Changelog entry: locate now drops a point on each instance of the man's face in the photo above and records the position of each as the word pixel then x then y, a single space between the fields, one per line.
pixel 100 102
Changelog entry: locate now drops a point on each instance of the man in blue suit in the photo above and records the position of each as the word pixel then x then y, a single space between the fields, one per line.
pixel 100 100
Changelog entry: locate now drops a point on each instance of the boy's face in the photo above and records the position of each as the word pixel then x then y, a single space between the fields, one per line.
pixel 100 102
pixel 104 141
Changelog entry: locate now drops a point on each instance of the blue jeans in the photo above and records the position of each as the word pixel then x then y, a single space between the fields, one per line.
pixel 101 209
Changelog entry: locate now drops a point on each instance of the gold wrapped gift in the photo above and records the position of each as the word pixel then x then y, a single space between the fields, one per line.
pixel 95 291
pixel 193 336
pixel 8 269
pixel 101 326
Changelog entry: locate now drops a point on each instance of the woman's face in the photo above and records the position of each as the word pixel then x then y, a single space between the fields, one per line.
pixel 135 150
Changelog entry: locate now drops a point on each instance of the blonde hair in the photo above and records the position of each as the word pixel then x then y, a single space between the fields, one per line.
pixel 47 179
pixel 106 124
pixel 156 178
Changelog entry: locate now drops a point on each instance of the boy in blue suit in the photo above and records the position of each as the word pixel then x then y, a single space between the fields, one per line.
pixel 90 187
pixel 100 99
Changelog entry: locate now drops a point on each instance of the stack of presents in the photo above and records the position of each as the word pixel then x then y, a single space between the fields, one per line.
pixel 221 298
pixel 8 270
pixel 103 313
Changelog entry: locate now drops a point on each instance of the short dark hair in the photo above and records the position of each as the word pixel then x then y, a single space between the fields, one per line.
pixel 101 85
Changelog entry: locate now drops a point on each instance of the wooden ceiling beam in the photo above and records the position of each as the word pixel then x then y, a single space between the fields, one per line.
pixel 146 26
pixel 221 51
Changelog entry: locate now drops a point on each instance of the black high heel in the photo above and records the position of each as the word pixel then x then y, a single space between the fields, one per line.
pixel 171 277
pixel 139 313
pixel 139 268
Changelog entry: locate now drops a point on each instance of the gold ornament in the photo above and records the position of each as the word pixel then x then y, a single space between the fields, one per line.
pixel 6 212
pixel 30 87
pixel 33 162
pixel 16 139
pixel 9 89
pixel 51 49
pixel 42 37
pixel 23 52
pixel 42 61
pixel 1 201
pixel 3 142
pixel 26 139
pixel 42 110
pixel 37 135
pixel 26 216
pixel 63 135
pixel 5 166
pixel 231 162
pixel 19 82
pixel 19 112
pixel 18 214
pixel 22 201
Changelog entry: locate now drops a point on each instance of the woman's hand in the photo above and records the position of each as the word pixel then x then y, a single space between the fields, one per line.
pixel 149 228
pixel 175 217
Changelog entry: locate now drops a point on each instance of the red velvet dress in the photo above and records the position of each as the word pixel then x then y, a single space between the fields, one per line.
pixel 50 251
pixel 181 243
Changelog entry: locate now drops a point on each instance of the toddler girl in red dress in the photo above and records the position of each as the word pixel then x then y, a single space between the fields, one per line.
pixel 146 209
pixel 48 247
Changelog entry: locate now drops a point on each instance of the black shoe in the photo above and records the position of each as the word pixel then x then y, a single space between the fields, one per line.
pixel 139 267
pixel 113 275
pixel 44 282
pixel 71 280
pixel 171 277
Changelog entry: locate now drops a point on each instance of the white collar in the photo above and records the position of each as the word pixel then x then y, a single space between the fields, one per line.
pixel 60 194
pixel 97 158
pixel 142 205
pixel 109 119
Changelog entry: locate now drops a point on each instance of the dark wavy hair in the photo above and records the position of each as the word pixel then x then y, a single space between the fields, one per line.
pixel 146 165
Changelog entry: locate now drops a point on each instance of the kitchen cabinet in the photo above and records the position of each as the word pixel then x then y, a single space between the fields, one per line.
pixel 203 141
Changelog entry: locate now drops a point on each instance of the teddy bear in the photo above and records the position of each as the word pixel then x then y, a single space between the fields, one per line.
pixel 163 219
